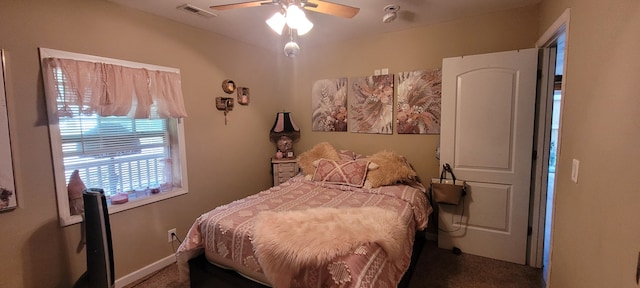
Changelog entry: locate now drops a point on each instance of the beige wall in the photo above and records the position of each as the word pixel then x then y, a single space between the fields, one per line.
pixel 34 250
pixel 596 234
pixel 409 50
pixel 596 239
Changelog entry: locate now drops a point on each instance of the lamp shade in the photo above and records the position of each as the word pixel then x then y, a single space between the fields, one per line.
pixel 284 124
pixel 277 22
pixel 304 26
pixel 295 16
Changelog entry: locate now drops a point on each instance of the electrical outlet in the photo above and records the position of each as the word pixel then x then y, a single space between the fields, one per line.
pixel 170 235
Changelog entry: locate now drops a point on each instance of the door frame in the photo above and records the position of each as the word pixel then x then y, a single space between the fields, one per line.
pixel 538 207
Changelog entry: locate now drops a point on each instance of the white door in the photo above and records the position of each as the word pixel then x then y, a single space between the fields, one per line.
pixel 488 107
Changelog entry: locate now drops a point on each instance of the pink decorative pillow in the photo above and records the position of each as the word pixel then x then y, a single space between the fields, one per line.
pixel 349 172
pixel 349 155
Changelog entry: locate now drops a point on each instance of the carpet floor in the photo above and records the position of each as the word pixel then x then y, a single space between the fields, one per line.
pixel 436 268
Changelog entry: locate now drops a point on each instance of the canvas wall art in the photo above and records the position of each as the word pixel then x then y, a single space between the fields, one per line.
pixel 7 184
pixel 329 105
pixel 419 100
pixel 371 104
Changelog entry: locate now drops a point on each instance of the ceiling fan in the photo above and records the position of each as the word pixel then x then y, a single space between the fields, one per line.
pixel 319 6
pixel 291 14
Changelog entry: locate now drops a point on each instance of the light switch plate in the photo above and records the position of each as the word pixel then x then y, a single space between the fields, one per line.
pixel 384 71
pixel 376 72
pixel 574 170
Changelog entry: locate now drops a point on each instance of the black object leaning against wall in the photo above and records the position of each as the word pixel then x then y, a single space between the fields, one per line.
pixel 100 273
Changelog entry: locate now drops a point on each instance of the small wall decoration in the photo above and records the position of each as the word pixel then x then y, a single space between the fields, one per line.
pixel 371 104
pixel 419 100
pixel 329 105
pixel 243 95
pixel 224 104
pixel 7 184
pixel 228 86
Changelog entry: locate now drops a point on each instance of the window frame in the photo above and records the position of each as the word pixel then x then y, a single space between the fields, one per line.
pixel 176 140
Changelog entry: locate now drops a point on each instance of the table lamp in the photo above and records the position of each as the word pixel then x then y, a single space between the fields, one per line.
pixel 284 132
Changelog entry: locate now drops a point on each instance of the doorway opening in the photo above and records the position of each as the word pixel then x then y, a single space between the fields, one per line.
pixel 547 141
pixel 553 130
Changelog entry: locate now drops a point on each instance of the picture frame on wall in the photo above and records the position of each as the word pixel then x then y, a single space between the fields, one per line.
pixel 243 95
pixel 372 95
pixel 7 181
pixel 329 105
pixel 419 102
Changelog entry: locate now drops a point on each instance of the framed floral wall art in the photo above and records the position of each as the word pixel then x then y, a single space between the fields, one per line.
pixel 371 104
pixel 7 184
pixel 329 105
pixel 419 101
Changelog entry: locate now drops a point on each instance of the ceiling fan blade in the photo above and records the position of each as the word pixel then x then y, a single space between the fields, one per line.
pixel 332 8
pixel 239 5
pixel 305 3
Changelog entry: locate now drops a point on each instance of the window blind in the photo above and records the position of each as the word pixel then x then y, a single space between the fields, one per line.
pixel 117 154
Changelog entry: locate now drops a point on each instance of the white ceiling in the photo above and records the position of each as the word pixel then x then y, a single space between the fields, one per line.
pixel 248 24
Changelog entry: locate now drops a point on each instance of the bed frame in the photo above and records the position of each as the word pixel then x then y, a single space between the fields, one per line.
pixel 204 274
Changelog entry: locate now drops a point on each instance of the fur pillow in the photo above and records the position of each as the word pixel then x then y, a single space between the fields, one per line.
pixel 348 172
pixel 393 168
pixel 319 151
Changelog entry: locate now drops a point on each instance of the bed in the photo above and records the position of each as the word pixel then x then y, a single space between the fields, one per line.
pixel 345 221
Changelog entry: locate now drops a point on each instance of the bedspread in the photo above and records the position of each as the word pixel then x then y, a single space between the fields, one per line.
pixel 225 232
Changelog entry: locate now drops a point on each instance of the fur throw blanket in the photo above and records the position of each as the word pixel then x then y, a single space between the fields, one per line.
pixel 286 242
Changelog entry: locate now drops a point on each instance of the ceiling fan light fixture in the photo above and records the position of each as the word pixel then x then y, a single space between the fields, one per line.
pixel 304 27
pixel 295 16
pixel 277 22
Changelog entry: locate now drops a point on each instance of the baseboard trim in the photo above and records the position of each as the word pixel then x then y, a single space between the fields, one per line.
pixel 144 271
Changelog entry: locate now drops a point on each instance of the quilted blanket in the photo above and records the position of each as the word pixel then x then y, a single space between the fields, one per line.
pixel 224 234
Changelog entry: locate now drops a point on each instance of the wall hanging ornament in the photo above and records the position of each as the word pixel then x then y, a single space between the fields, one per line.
pixel 228 86
pixel 224 104
pixel 243 95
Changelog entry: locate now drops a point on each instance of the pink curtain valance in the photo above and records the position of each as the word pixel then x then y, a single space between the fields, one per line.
pixel 112 90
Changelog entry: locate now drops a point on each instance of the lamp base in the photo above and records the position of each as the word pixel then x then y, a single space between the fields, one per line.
pixel 285 145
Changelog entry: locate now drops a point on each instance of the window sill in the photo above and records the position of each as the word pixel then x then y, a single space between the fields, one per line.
pixel 133 203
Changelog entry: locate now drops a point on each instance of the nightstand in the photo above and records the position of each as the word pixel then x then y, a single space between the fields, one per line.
pixel 283 169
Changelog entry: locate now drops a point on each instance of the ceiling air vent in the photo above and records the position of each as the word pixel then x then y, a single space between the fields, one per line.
pixel 195 10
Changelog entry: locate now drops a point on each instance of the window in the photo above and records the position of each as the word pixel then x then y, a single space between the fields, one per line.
pixel 142 158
